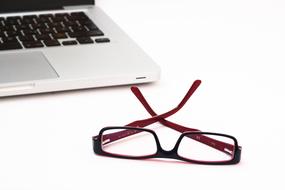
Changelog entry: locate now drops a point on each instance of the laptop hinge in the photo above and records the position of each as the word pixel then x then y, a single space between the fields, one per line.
pixel 76 7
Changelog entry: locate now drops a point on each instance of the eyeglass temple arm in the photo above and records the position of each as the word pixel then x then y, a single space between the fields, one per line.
pixel 201 138
pixel 156 118
pixel 169 124
pixel 145 122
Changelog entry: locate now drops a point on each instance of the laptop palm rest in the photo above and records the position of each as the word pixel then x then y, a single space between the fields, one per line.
pixel 21 67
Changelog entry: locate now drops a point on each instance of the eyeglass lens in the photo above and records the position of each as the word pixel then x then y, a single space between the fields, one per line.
pixel 191 148
pixel 140 143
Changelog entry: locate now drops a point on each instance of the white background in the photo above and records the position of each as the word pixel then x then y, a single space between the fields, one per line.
pixel 235 47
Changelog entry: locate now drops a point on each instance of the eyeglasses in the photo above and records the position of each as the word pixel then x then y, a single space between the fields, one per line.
pixel 134 141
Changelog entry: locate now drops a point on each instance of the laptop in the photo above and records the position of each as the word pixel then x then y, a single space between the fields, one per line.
pixel 58 45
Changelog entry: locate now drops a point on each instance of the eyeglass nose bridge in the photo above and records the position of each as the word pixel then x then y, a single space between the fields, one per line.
pixel 161 153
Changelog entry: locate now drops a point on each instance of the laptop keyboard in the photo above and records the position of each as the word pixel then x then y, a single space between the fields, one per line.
pixel 48 30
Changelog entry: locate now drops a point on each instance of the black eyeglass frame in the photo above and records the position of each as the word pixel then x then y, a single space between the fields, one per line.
pixel 161 153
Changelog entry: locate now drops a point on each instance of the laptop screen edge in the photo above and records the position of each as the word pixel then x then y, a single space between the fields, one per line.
pixel 10 6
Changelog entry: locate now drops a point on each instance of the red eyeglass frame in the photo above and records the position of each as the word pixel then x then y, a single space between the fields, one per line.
pixel 235 150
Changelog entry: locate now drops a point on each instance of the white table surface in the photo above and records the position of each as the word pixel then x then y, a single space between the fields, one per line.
pixel 235 47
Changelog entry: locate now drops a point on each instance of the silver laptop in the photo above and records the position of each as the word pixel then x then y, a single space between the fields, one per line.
pixel 57 45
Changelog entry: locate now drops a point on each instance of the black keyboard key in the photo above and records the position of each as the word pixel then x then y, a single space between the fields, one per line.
pixel 79 16
pixel 42 20
pixel 50 43
pixel 54 24
pixel 47 16
pixel 69 42
pixel 43 37
pixel 61 15
pixel 47 30
pixel 90 26
pixel 13 33
pixel 30 32
pixel 66 16
pixel 86 34
pixel 58 18
pixel 70 24
pixel 62 29
pixel 85 40
pixel 77 34
pixel 95 33
pixel 34 44
pixel 9 39
pixel 7 28
pixel 39 26
pixel 86 22
pixel 23 27
pixel 59 35
pixel 102 40
pixel 12 20
pixel 29 19
pixel 79 29
pixel 10 46
pixel 27 38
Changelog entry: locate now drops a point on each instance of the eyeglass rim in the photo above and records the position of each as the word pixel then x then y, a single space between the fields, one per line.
pixel 236 153
pixel 160 153
pixel 124 156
